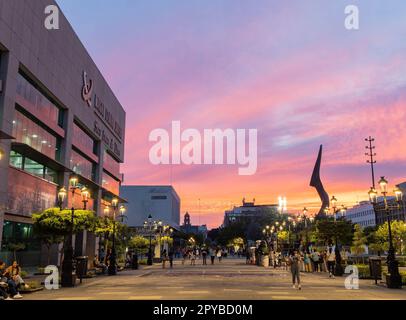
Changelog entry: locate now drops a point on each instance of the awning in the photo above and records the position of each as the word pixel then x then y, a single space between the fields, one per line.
pixel 5 136
pixel 110 195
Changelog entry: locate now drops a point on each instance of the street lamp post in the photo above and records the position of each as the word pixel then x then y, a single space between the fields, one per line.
pixel 112 270
pixel 393 279
pixel 61 197
pixel 67 277
pixel 339 271
pixel 150 226
pixel 85 197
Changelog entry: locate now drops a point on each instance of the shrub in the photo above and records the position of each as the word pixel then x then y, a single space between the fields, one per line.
pixel 23 274
pixel 363 271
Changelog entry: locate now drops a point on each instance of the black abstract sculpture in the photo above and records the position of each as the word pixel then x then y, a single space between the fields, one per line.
pixel 316 183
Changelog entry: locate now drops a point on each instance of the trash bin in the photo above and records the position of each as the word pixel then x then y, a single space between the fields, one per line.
pixel 81 267
pixel 134 261
pixel 375 268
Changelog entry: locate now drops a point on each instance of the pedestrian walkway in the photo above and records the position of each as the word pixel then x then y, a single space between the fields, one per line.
pixel 232 279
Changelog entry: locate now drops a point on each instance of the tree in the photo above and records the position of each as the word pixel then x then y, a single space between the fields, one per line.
pixel 230 232
pixel 236 243
pixel 140 244
pixel 14 247
pixel 52 226
pixel 359 241
pixel 398 235
pixel 327 230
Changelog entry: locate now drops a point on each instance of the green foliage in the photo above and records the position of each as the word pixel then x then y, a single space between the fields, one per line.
pixel 139 242
pixel 236 242
pixel 363 271
pixel 16 246
pixel 283 235
pixel 398 234
pixel 103 226
pixel 57 222
pixel 359 241
pixel 328 230
pixel 231 232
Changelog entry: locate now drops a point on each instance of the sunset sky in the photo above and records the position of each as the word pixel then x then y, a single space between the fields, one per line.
pixel 287 68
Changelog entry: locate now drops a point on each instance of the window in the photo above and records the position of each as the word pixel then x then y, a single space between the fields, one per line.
pixel 50 175
pixel 111 164
pixel 81 165
pixel 31 95
pixel 111 184
pixel 83 141
pixel 16 160
pixel 27 131
pixel 34 168
pixel 14 232
pixel 24 163
pixel 159 197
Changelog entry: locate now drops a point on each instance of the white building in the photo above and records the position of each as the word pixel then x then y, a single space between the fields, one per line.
pixel 362 214
pixel 161 202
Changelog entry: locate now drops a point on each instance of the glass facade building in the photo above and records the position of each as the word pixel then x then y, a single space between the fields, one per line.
pixel 50 129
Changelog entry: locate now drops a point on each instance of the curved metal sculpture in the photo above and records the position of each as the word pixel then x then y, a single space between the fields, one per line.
pixel 316 183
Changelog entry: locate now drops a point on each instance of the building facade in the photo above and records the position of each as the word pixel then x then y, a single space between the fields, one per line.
pixel 58 118
pixel 249 210
pixel 367 215
pixel 189 228
pixel 362 214
pixel 161 202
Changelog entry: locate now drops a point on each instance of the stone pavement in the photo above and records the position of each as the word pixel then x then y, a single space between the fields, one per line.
pixel 232 279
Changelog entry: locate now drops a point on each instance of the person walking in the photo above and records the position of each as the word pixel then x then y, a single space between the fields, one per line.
pixel 331 261
pixel 294 261
pixel 164 258
pixel 204 256
pixel 193 258
pixel 212 255
pixel 185 255
pixel 307 262
pixel 219 254
pixel 170 256
pixel 247 257
pixel 315 259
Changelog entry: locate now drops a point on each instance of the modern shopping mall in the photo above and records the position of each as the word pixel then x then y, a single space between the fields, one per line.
pixel 58 118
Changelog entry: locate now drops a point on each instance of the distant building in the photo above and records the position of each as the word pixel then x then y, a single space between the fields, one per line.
pixel 362 214
pixel 249 210
pixel 161 202
pixel 187 227
pixel 365 215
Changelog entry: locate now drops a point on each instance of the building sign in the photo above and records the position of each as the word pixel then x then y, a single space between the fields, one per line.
pixel 87 90
pixel 105 115
pixel 108 140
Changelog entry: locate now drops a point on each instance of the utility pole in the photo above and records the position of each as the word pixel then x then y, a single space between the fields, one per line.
pixel 371 157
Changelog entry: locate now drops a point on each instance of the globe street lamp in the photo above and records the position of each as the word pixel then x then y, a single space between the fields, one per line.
pixel 112 270
pixel 339 271
pixel 393 279
pixel 150 226
pixel 85 197
pixel 61 197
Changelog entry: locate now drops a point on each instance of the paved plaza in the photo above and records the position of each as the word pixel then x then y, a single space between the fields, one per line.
pixel 232 279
